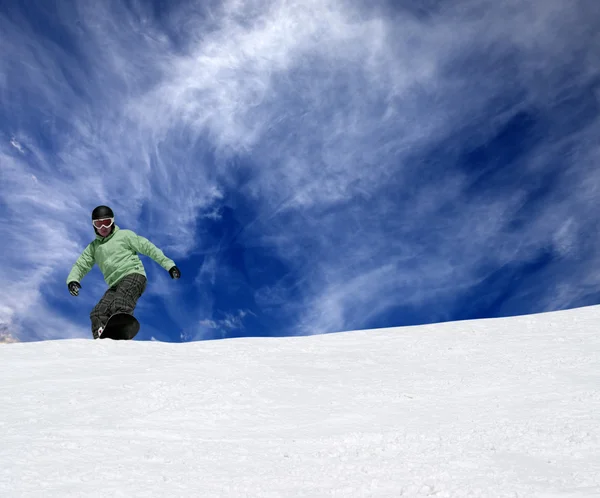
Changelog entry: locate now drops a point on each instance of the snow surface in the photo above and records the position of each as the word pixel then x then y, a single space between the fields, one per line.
pixel 496 408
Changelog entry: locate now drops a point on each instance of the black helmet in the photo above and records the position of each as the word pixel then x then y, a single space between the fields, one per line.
pixel 102 212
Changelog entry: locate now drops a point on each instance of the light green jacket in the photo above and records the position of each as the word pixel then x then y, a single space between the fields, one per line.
pixel 117 256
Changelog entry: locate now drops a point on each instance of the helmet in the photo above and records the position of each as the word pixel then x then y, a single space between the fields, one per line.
pixel 102 212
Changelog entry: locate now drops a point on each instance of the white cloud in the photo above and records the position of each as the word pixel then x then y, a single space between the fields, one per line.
pixel 17 145
pixel 5 335
pixel 210 324
pixel 228 322
pixel 208 271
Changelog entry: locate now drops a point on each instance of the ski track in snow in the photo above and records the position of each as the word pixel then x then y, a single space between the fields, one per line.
pixel 489 408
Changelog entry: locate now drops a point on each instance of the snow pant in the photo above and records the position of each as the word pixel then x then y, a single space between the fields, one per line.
pixel 121 297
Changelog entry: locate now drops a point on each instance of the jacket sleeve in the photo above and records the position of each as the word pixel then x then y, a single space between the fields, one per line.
pixel 143 246
pixel 83 265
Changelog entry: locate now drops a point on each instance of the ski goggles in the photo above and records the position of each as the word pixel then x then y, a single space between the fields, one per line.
pixel 103 223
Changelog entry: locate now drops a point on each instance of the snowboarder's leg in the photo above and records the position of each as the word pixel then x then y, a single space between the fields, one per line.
pixel 101 312
pixel 128 290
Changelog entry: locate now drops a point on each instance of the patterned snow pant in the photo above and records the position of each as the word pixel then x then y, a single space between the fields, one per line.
pixel 121 297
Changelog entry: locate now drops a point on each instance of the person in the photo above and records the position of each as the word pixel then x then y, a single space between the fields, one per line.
pixel 116 253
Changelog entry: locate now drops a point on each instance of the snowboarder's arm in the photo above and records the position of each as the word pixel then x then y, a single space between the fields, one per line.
pixel 143 246
pixel 82 266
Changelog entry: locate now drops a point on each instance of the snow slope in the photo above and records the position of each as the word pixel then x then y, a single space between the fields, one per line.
pixel 495 408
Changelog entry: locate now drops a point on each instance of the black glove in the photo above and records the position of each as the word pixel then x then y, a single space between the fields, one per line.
pixel 74 288
pixel 174 272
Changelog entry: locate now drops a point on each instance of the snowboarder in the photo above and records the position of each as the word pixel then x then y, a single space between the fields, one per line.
pixel 116 253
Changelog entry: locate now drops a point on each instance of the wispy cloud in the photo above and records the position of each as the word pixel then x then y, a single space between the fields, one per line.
pixel 5 336
pixel 17 145
pixel 338 109
pixel 229 322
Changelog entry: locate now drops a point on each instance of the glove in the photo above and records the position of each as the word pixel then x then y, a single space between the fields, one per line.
pixel 175 273
pixel 74 288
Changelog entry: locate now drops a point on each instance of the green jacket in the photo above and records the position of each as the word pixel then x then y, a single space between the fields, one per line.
pixel 117 256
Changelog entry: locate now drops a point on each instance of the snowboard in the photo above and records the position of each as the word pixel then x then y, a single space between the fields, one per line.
pixel 121 327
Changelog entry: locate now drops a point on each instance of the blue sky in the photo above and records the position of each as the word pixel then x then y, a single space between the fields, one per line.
pixel 311 166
